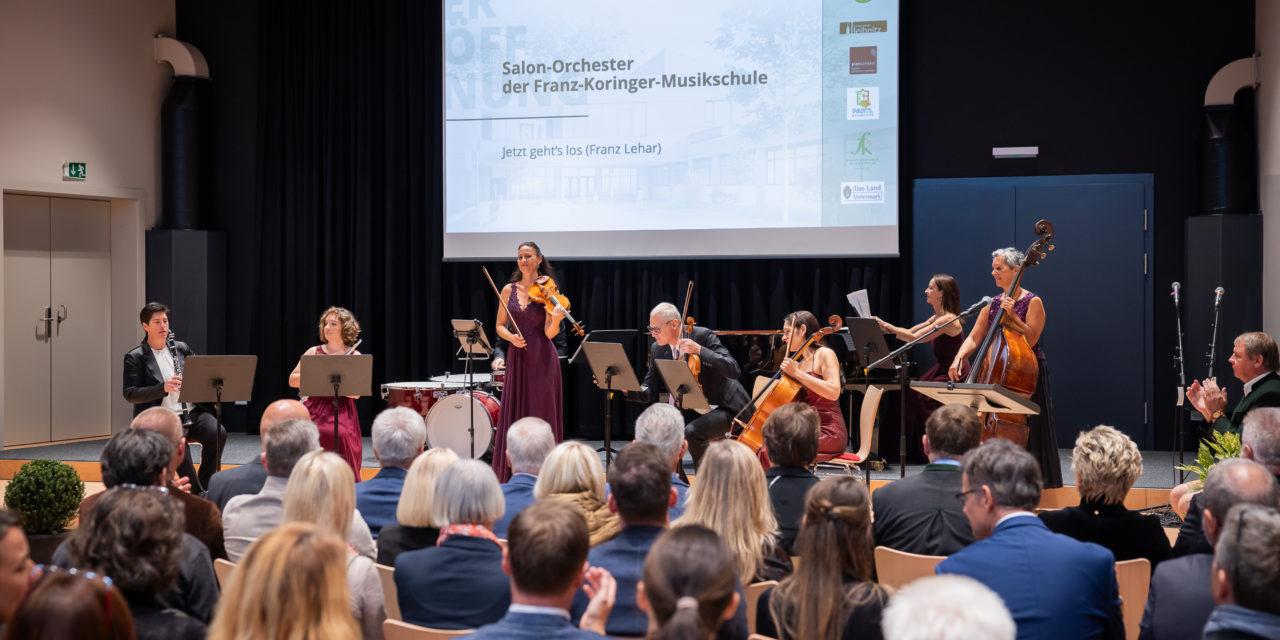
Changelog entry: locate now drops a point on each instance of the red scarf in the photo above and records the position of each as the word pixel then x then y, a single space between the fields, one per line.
pixel 471 530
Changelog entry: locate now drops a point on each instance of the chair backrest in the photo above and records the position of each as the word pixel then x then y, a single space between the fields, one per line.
pixel 867 419
pixel 387 576
pixel 756 636
pixel 898 568
pixel 753 592
pixel 1134 577
pixel 397 630
pixel 223 568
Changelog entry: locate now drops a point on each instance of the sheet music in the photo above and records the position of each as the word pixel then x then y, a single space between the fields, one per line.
pixel 861 303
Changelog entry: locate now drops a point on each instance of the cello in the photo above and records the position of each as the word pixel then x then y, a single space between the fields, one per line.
pixel 1007 358
pixel 780 390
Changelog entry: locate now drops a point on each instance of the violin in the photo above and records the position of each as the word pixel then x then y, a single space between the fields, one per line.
pixel 686 331
pixel 544 292
pixel 782 389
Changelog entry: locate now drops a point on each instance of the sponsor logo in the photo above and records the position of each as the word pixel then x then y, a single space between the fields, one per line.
pixel 862 155
pixel 863 103
pixel 868 26
pixel 861 192
pixel 862 60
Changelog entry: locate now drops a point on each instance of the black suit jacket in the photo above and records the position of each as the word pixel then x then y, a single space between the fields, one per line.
pixel 1128 534
pixel 143 383
pixel 719 376
pixel 920 514
pixel 244 480
pixel 1180 599
pixel 787 486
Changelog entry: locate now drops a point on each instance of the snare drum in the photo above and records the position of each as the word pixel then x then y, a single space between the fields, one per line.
pixel 478 379
pixel 449 420
pixel 418 396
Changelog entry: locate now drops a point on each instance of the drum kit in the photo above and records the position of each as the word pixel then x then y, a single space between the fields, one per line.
pixel 444 401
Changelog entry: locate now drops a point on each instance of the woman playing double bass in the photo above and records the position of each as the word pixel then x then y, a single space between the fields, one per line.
pixel 1024 313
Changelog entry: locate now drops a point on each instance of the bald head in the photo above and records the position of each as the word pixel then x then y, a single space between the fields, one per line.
pixel 282 410
pixel 1235 481
pixel 161 421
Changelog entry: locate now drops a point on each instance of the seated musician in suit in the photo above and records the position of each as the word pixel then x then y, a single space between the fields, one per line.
pixel 151 380
pixel 1107 463
pixel 1055 586
pixel 920 514
pixel 719 377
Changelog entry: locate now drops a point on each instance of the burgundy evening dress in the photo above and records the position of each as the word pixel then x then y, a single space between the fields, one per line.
pixel 532 386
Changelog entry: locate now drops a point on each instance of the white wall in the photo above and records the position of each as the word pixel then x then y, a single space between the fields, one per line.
pixel 1267 42
pixel 78 83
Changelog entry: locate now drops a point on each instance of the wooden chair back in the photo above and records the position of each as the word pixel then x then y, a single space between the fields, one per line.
pixel 1134 577
pixel 392 601
pixel 398 630
pixel 898 568
pixel 753 592
pixel 223 569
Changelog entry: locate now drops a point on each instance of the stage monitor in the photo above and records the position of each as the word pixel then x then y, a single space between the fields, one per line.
pixel 671 128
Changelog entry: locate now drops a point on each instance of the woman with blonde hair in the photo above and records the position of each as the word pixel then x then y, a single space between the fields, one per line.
pixel 835 548
pixel 414 527
pixel 730 497
pixel 289 585
pixel 321 490
pixel 339 332
pixel 1107 463
pixel 572 472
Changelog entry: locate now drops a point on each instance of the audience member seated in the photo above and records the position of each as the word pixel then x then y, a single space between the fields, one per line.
pixel 248 478
pixel 572 472
pixel 662 425
pixel 1260 442
pixel 546 558
pixel 688 587
pixel 204 519
pixel 15 564
pixel 947 608
pixel 291 584
pixel 529 441
pixel 833 593
pixel 399 435
pixel 134 535
pixel 1107 463
pixel 140 458
pixel 63 604
pixel 1180 598
pixel 248 517
pixel 459 583
pixel 1054 585
pixel 1246 575
pixel 414 528
pixel 730 498
pixel 791 436
pixel 321 490
pixel 919 514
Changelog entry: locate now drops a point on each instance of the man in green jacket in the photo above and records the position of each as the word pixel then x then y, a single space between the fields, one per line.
pixel 1254 361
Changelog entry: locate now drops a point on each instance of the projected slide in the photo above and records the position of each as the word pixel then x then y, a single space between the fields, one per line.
pixel 662 128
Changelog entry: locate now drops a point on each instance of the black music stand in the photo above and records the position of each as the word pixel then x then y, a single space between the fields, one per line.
pixel 217 379
pixel 680 383
pixel 336 375
pixel 471 341
pixel 609 364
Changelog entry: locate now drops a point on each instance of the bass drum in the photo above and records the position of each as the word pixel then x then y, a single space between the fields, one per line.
pixel 449 421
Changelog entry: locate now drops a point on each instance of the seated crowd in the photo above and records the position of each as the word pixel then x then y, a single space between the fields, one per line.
pixel 563 551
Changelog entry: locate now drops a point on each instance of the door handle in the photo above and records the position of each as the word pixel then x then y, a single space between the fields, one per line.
pixel 62 315
pixel 47 319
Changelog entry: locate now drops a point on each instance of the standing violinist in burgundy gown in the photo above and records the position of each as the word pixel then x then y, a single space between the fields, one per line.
pixel 1024 313
pixel 943 294
pixel 817 370
pixel 532 386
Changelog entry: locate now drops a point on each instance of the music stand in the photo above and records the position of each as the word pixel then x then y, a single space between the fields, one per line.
pixel 471 341
pixel 681 384
pixel 336 376
pixel 866 342
pixel 986 398
pixel 217 379
pixel 609 361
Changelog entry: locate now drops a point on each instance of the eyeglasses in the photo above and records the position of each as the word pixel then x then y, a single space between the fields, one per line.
pixel 960 496
pixel 658 329
pixel 155 488
pixel 38 572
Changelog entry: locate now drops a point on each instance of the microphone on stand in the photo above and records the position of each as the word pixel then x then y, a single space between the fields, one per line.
pixel 975 307
pixel 1176 286
pixel 1217 297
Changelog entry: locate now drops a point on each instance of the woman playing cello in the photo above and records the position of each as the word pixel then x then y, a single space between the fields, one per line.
pixel 818 371
pixel 1024 313
pixel 532 386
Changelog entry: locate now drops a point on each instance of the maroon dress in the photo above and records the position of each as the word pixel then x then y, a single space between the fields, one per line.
pixel 832 436
pixel 532 386
pixel 321 409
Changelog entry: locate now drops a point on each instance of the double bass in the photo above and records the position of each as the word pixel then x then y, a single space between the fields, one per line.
pixel 782 389
pixel 1007 358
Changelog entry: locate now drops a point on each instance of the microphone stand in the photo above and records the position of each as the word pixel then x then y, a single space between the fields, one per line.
pixel 1182 386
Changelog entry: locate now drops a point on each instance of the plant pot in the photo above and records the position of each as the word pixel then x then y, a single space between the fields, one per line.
pixel 43 545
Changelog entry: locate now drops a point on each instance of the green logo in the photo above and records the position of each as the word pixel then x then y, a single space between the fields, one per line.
pixel 864 145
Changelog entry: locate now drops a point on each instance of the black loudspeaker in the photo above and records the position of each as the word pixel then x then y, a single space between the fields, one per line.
pixel 186 270
pixel 1222 251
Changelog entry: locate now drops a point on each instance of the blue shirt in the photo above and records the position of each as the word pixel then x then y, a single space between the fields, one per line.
pixel 518 494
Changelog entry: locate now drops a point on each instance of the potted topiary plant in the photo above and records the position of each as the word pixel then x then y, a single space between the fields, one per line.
pixel 48 494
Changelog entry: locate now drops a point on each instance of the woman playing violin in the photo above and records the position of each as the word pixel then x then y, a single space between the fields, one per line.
pixel 818 371
pixel 1024 313
pixel 532 386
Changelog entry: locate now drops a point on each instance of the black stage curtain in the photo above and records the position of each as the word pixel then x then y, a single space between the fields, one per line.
pixel 348 213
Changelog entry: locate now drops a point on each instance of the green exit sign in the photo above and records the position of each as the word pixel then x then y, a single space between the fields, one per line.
pixel 75 170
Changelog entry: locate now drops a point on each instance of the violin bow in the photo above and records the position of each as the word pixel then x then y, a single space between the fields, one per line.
pixel 510 318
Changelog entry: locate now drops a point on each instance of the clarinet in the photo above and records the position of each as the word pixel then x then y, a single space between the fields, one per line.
pixel 177 368
pixel 1213 336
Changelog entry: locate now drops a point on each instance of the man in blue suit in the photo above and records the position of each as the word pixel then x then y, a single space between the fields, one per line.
pixel 529 440
pixel 546 559
pixel 398 437
pixel 1054 585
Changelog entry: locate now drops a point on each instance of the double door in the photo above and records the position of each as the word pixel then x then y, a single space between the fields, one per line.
pixel 57 308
